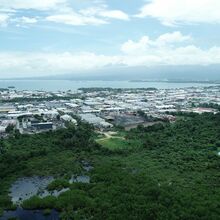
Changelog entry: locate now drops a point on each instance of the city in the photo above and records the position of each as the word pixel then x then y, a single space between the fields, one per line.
pixel 36 111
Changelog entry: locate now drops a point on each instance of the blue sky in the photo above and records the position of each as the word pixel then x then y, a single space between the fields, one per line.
pixel 46 37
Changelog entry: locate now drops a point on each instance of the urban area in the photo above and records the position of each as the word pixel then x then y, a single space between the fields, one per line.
pixel 37 111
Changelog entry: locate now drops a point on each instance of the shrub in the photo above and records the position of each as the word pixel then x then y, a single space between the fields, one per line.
pixel 58 185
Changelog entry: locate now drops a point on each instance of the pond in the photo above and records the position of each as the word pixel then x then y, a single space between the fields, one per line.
pixel 25 188
pixel 22 214
pixel 79 179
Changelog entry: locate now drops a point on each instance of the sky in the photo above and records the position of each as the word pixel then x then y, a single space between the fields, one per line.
pixel 52 37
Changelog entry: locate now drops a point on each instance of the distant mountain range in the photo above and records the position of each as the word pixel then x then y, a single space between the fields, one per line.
pixel 159 73
pixel 194 73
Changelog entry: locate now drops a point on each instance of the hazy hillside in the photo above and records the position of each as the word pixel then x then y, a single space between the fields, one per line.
pixel 149 73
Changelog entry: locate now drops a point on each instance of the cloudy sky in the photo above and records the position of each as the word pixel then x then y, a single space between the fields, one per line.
pixel 46 37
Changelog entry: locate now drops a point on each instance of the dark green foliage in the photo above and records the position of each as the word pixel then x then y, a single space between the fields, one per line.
pixel 74 200
pixel 210 105
pixel 47 211
pixel 58 184
pixel 37 203
pixel 1 211
pixel 169 172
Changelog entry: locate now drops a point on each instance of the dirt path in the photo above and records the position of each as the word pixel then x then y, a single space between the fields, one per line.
pixel 109 135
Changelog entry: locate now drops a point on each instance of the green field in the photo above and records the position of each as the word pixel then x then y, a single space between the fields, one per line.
pixel 117 143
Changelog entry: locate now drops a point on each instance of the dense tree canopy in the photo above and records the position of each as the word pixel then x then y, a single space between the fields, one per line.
pixel 166 171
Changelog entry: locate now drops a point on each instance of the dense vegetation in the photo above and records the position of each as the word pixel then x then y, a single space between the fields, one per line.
pixel 51 153
pixel 167 171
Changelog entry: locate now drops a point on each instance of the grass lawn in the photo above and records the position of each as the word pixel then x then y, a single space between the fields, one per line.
pixel 117 143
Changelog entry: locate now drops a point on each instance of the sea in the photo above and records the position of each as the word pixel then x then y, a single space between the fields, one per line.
pixel 64 85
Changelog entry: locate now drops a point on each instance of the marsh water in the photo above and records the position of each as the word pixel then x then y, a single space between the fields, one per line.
pixel 79 179
pixel 22 214
pixel 25 188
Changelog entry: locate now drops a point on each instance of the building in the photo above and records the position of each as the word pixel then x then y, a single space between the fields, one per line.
pixel 42 126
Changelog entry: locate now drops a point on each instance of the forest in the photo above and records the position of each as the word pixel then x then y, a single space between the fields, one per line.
pixel 166 171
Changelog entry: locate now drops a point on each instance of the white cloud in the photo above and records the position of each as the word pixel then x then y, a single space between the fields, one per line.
pixel 22 21
pixel 172 12
pixel 116 14
pixel 31 63
pixel 60 11
pixel 52 63
pixel 89 16
pixel 104 12
pixel 131 47
pixel 15 7
pixel 3 19
pixel 174 37
pixel 145 44
pixel 31 4
pixel 167 49
pixel 29 20
pixel 75 19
